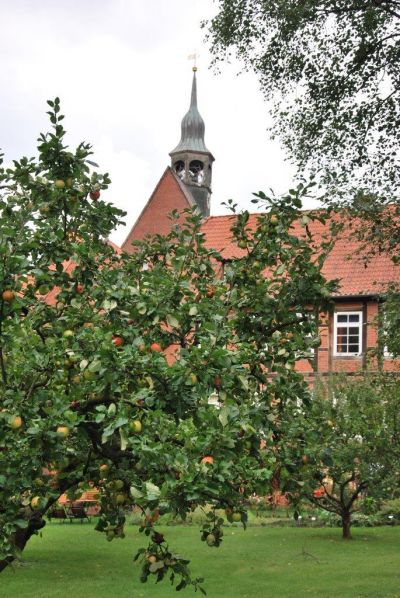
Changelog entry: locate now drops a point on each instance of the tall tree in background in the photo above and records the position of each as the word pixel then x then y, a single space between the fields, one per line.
pixel 331 68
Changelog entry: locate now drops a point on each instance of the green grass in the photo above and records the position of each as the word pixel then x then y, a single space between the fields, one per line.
pixel 76 562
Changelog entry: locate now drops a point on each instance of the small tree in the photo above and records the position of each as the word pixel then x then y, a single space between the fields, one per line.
pixel 349 446
pixel 108 360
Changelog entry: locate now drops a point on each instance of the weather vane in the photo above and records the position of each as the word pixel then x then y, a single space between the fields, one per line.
pixel 194 57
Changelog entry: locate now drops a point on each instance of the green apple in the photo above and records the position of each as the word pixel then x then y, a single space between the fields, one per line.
pixel 136 426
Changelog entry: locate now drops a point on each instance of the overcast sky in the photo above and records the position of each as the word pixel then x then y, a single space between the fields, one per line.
pixel 121 70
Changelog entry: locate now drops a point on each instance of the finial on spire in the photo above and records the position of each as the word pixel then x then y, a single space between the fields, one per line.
pixel 194 57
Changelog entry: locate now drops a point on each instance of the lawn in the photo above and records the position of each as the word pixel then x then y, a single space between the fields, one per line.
pixel 73 560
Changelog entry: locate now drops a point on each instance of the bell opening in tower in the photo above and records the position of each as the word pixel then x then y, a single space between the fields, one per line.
pixel 196 172
pixel 179 168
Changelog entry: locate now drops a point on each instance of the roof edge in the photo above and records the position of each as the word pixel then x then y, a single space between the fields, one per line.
pixel 189 199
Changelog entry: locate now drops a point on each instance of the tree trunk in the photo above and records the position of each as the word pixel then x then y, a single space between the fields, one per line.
pixel 21 537
pixel 346 522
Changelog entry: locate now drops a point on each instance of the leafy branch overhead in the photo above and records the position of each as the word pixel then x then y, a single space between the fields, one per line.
pixel 331 70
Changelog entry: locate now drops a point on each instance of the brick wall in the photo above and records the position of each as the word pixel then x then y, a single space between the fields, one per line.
pixel 326 362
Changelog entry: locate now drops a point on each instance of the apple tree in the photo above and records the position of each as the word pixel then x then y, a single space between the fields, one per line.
pixel 152 377
pixel 347 446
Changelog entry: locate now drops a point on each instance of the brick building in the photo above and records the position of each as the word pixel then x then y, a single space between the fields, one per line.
pixel 350 332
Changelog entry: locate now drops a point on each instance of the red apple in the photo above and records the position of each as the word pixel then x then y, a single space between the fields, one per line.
pixel 8 295
pixel 118 341
pixel 156 347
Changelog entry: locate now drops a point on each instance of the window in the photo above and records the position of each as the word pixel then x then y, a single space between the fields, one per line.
pixel 348 333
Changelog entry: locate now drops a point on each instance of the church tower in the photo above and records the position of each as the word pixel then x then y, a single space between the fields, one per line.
pixel 191 160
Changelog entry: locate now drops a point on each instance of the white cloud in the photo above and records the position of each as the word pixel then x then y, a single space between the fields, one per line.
pixel 121 70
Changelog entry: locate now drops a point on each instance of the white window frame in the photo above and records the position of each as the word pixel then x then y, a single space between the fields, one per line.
pixel 337 324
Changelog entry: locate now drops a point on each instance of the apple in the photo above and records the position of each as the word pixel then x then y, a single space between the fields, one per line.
pixel 43 289
pixel 152 558
pixel 8 295
pixel 157 538
pixel 136 426
pixel 59 183
pixel 62 431
pixel 236 517
pixel 207 459
pixel 120 499
pixel 44 208
pixel 89 376
pixel 76 379
pixel 193 379
pixel 274 219
pixel 242 244
pixel 36 502
pixel 210 539
pixel 79 288
pixel 104 468
pixel 118 484
pixel 210 291
pixel 217 381
pixel 94 195
pixel 15 422
pixel 118 341
pixel 156 347
pixel 88 325
pixel 69 181
pixel 68 333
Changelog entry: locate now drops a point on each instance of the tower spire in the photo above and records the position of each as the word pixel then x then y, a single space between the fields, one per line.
pixel 191 160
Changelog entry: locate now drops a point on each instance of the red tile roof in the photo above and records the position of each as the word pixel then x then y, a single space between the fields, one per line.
pixel 346 261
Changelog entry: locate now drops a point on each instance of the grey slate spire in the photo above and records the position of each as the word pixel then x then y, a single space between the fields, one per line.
pixel 191 160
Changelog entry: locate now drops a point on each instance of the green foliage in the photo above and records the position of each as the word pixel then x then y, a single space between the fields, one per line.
pixel 108 360
pixel 349 446
pixel 390 508
pixel 330 68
